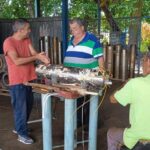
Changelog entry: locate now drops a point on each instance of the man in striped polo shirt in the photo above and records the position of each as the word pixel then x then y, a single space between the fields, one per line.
pixel 84 51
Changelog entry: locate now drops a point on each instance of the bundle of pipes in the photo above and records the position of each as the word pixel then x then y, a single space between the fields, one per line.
pixel 52 48
pixel 119 62
pixel 88 79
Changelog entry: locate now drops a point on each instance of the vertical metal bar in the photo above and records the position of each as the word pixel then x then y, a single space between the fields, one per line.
pixel 64 25
pixel 46 122
pixel 110 58
pixel 124 65
pixel 59 53
pixel 41 44
pixel 75 124
pixel 93 123
pixel 69 124
pixel 132 60
pixel 55 49
pixel 37 12
pixel 99 18
pixel 117 61
pixel 51 50
pixel 47 45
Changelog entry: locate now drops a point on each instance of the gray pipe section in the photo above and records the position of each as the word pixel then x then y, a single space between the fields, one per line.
pixel 132 60
pixel 110 59
pixel 69 124
pixel 93 123
pixel 41 44
pixel 124 65
pixel 117 61
pixel 47 45
pixel 47 122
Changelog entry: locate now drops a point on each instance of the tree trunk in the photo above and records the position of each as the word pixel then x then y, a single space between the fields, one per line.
pixel 109 17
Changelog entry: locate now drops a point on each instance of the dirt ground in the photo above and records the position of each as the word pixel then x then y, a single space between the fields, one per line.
pixel 109 115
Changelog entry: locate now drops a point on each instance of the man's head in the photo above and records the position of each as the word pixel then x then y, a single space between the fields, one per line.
pixel 146 63
pixel 77 26
pixel 21 27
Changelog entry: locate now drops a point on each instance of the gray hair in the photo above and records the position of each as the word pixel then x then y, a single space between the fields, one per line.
pixel 19 24
pixel 80 22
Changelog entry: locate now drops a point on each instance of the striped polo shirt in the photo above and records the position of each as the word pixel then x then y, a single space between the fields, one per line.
pixel 85 54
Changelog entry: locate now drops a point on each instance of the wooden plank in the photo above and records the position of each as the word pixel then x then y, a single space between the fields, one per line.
pixel 61 87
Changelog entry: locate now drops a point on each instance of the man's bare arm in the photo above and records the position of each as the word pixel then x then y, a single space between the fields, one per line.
pixel 24 60
pixel 20 60
pixel 112 99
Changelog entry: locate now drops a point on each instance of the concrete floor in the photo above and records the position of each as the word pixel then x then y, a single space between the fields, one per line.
pixel 110 115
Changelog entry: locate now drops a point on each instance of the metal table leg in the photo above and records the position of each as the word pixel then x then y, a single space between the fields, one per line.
pixel 47 122
pixel 69 123
pixel 93 123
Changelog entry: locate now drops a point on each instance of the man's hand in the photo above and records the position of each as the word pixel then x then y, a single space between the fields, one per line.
pixel 42 57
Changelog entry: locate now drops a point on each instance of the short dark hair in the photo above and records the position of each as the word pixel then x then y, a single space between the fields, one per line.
pixel 18 24
pixel 80 22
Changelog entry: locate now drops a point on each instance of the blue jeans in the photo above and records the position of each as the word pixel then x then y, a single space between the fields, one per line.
pixel 22 103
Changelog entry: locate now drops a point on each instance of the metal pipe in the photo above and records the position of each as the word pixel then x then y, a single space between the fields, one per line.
pixel 124 64
pixel 132 60
pixel 75 124
pixel 34 121
pixel 79 142
pixel 41 44
pixel 99 18
pixel 47 45
pixel 55 42
pixel 69 124
pixel 59 53
pixel 110 58
pixel 47 122
pixel 37 12
pixel 93 123
pixel 64 25
pixel 117 61
pixel 51 50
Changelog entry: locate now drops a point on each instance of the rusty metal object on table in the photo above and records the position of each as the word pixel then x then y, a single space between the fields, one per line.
pixel 88 80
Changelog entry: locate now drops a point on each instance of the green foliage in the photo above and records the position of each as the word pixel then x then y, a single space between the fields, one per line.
pixel 13 9
pixel 144 45
pixel 25 8
pixel 77 8
pixel 86 9
pixel 124 8
pixel 50 8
